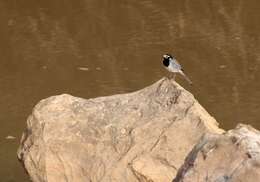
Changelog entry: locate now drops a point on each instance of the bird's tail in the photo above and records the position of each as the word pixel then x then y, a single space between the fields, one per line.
pixel 186 77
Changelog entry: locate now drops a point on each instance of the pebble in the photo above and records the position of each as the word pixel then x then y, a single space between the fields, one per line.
pixel 83 68
pixel 9 137
pixel 222 66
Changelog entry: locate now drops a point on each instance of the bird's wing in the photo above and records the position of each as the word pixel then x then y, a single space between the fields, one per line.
pixel 176 64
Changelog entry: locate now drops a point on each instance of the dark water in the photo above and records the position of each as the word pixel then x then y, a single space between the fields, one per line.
pixel 44 44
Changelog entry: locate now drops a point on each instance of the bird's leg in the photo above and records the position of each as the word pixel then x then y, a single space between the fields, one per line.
pixel 173 75
pixel 169 76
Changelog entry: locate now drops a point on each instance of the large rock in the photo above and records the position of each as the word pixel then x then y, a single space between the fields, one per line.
pixel 232 157
pixel 140 136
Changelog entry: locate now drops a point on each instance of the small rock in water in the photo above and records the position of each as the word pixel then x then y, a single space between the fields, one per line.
pixel 44 67
pixel 83 68
pixel 222 66
pixel 237 38
pixel 10 22
pixel 9 137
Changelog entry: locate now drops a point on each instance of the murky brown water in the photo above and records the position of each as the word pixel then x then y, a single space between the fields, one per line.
pixel 119 44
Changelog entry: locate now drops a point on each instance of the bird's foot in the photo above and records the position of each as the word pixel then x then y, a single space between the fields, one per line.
pixel 172 77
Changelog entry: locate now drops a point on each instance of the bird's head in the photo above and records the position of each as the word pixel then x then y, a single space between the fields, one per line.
pixel 167 56
pixel 166 59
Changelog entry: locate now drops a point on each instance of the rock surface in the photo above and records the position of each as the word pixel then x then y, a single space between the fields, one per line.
pixel 231 157
pixel 136 137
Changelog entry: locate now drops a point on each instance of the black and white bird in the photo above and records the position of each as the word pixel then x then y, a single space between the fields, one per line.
pixel 172 65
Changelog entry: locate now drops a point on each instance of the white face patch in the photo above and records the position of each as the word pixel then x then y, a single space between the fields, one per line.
pixel 166 56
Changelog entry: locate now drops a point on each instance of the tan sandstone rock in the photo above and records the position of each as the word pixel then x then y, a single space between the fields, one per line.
pixel 140 136
pixel 231 157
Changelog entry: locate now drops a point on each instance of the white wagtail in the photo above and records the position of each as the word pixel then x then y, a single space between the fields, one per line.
pixel 172 65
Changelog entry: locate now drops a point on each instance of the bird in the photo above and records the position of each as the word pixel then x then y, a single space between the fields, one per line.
pixel 172 65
